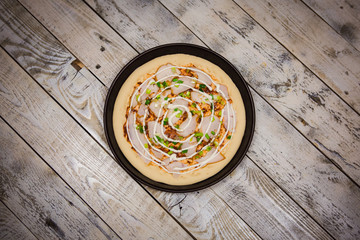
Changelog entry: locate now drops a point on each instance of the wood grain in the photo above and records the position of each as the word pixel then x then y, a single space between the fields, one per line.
pixel 36 194
pixel 312 41
pixel 17 21
pixel 212 216
pixel 305 174
pixel 341 15
pixel 80 161
pixel 215 221
pixel 273 135
pixel 74 19
pixel 276 75
pixel 10 227
pixel 53 67
pixel 248 190
pixel 135 21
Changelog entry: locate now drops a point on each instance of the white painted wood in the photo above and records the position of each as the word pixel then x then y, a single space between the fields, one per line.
pixel 144 24
pixel 11 228
pixel 248 190
pixel 342 15
pixel 312 41
pixel 74 19
pixel 204 216
pixel 16 23
pixel 80 161
pixel 36 194
pixel 278 77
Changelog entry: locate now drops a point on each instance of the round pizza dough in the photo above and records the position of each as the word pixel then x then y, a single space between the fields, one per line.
pixel 154 172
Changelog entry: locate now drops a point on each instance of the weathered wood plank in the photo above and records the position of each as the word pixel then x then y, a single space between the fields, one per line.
pixel 284 141
pixel 10 227
pixel 249 190
pixel 16 23
pixel 204 216
pixel 305 174
pixel 144 24
pixel 342 15
pixel 312 41
pixel 277 76
pixel 109 52
pixel 36 194
pixel 54 67
pixel 80 161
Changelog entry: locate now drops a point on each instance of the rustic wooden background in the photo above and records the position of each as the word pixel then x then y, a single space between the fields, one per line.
pixel 299 180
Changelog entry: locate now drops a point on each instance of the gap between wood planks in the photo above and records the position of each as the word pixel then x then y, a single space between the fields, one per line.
pixel 328 22
pixel 76 125
pixel 317 147
pixel 77 63
pixel 297 58
pixel 72 199
pixel 16 222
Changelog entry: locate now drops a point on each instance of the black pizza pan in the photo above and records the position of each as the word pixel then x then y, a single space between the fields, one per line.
pixel 194 50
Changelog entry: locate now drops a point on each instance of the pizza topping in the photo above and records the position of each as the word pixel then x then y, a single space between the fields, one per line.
pixel 180 119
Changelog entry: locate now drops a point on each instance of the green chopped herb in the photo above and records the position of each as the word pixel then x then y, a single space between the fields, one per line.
pixel 213 119
pixel 192 112
pixel 140 128
pixel 170 152
pixel 158 84
pixel 212 106
pixel 193 105
pixel 166 143
pixel 166 98
pixel 208 148
pixel 201 86
pixel 158 138
pixel 212 96
pixel 198 134
pixel 229 137
pixel 177 85
pixel 174 143
pixel 175 79
pixel 188 94
pixel 147 102
pixel 152 83
pixel 197 156
pixel 181 94
pixel 191 139
pixel 180 81
pixel 173 69
pixel 198 139
pixel 181 138
pixel 137 97
pixel 220 113
pixel 177 126
pixel 176 109
pixel 207 136
pixel 148 91
pixel 201 153
pixel 178 115
pixel 206 99
pixel 216 143
pixel 212 132
pixel 184 151
pixel 157 97
pixel 166 121
pixel 146 145
pixel 171 147
pixel 164 83
pixel 187 70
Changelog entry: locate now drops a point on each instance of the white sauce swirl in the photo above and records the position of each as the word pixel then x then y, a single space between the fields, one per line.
pixel 169 110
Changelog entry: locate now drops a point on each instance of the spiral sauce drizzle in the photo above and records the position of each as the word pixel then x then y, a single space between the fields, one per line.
pixel 180 119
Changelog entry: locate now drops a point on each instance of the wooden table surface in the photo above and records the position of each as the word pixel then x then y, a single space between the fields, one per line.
pixel 299 180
